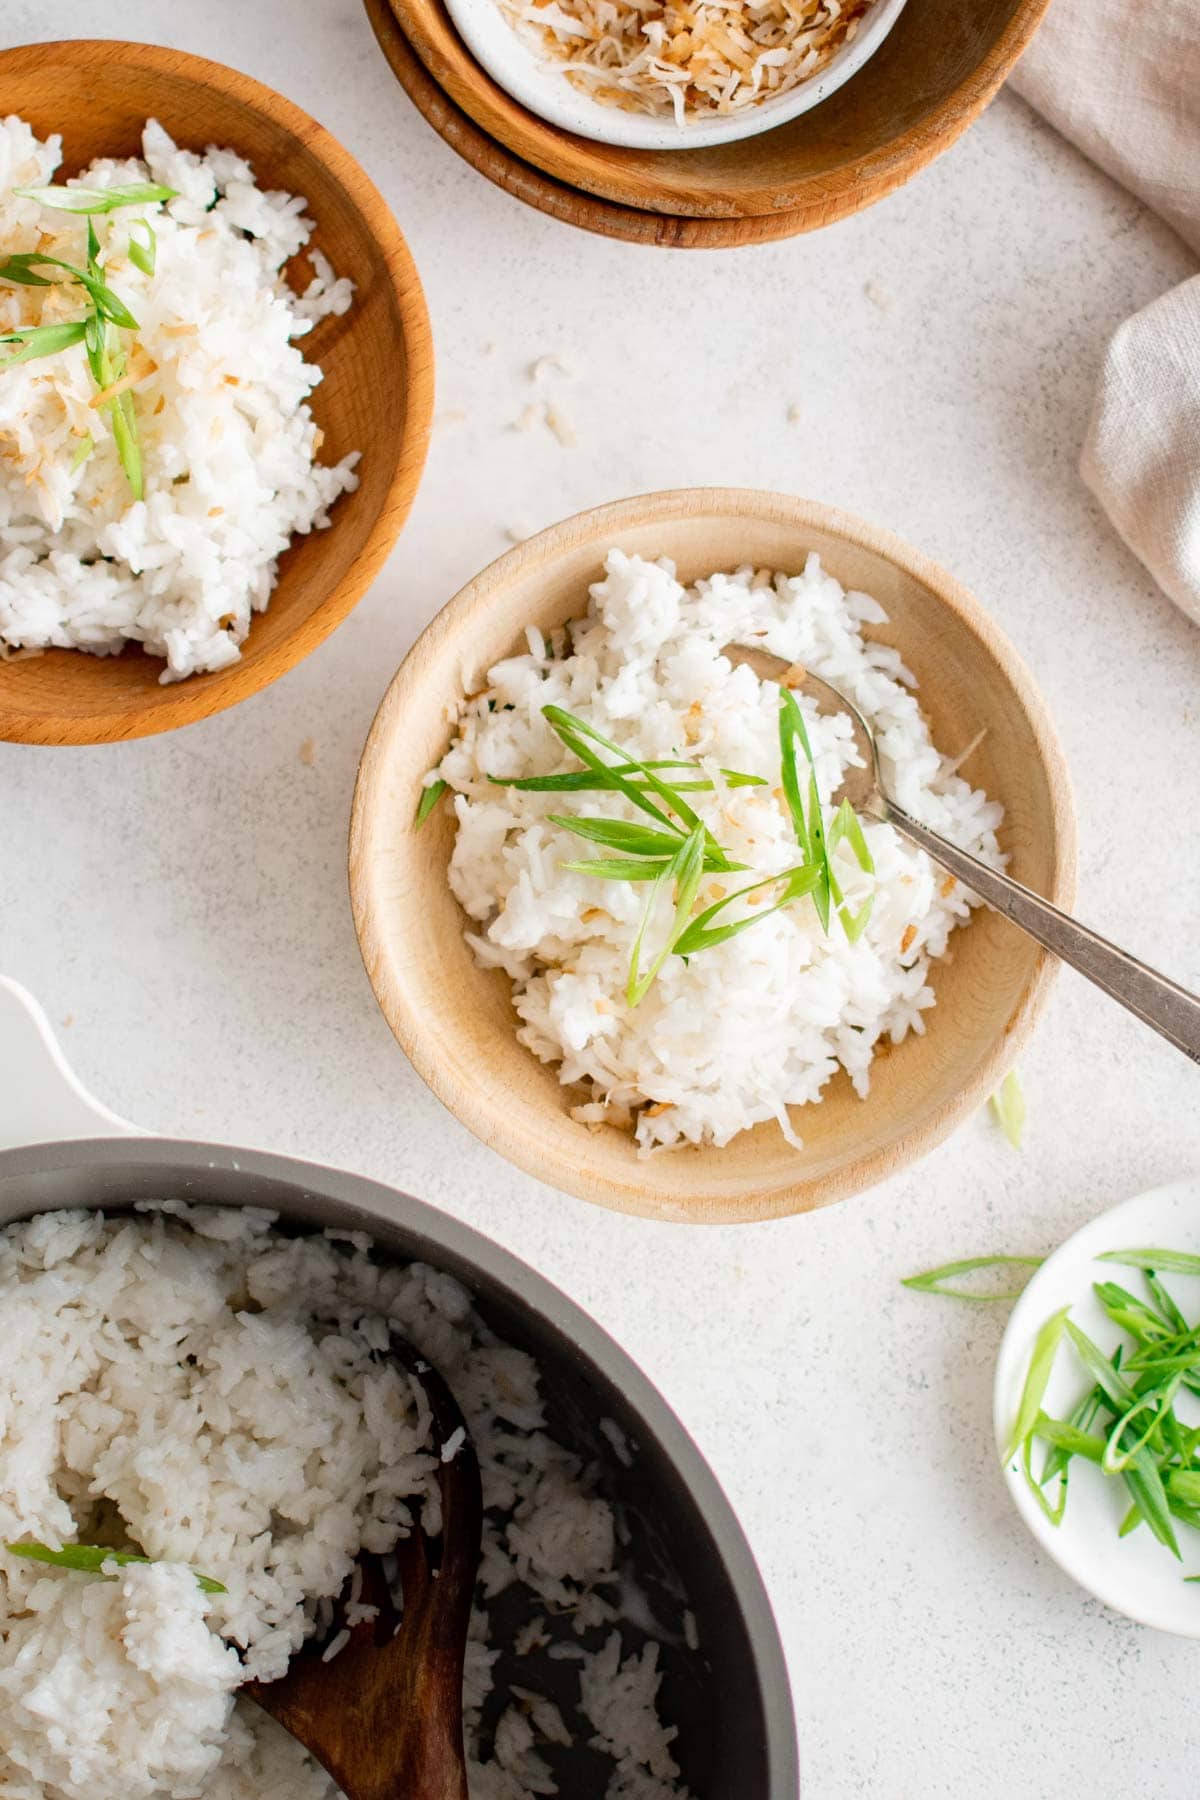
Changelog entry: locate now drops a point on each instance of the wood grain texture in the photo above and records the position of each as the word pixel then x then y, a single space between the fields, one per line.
pixel 934 74
pixel 524 182
pixel 385 1716
pixel 456 1022
pixel 376 396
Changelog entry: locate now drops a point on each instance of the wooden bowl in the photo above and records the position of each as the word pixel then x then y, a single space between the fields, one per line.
pixel 456 1021
pixel 376 396
pixel 523 70
pixel 937 70
pixel 558 201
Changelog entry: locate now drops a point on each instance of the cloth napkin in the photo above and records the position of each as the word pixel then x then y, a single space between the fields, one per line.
pixel 1121 78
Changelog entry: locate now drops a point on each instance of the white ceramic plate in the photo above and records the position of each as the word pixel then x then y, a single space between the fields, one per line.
pixel 1135 1575
pixel 540 86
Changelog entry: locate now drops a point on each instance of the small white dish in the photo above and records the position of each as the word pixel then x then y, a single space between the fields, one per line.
pixel 540 85
pixel 1135 1575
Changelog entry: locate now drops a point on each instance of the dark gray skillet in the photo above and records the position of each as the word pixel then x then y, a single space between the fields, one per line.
pixel 730 1698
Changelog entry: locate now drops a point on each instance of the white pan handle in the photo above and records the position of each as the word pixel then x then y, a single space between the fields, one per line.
pixel 41 1099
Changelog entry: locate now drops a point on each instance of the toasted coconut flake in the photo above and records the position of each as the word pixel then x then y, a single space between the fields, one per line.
pixel 141 367
pixel 665 58
pixel 562 428
pixel 545 367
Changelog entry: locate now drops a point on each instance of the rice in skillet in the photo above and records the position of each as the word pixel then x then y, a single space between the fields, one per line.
pixel 744 1030
pixel 203 1387
pixel 220 390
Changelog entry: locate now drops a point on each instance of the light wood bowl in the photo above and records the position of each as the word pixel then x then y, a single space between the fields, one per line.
pixel 558 201
pixel 456 1022
pixel 376 396
pixel 937 70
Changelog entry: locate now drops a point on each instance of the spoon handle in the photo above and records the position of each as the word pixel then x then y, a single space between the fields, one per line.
pixel 1151 997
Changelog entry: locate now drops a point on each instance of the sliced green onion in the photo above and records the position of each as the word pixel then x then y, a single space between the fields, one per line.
pixel 16 268
pixel 619 834
pixel 1064 1435
pixel 933 1281
pixel 39 340
pixel 1146 1487
pixel 429 798
pixel 1184 1485
pixel 89 1559
pixel 1130 1314
pixel 1102 1371
pixel 701 935
pixel 83 450
pixel 97 200
pixel 1164 1302
pixel 1038 1488
pixel 847 828
pixel 106 369
pixel 143 246
pixel 109 305
pixel 1081 1420
pixel 1041 1361
pixel 620 868
pixel 1117 1456
pixel 687 870
pixel 584 781
pixel 1170 1262
pixel 1008 1104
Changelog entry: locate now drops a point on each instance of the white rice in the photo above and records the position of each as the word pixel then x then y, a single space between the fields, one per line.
pixel 208 1385
pixel 229 444
pixel 756 1025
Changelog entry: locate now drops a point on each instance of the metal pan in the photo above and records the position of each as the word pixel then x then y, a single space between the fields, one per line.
pixel 730 1697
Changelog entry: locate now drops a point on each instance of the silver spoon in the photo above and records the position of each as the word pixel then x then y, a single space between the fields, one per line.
pixel 1157 1001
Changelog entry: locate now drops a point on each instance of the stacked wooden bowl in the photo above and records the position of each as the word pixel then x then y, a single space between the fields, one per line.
pixel 936 71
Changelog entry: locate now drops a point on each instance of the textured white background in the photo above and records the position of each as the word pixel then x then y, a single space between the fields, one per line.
pixel 180 904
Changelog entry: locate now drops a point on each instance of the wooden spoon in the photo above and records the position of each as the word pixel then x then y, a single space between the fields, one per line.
pixel 384 1716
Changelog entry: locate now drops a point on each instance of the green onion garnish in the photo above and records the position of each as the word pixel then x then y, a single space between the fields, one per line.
pixel 143 246
pixel 106 358
pixel 97 200
pixel 1008 1104
pixel 1171 1262
pixel 89 1559
pixel 39 340
pixel 686 869
pixel 1045 1347
pixel 429 798
pixel 933 1281
pixel 1125 1421
pixel 665 851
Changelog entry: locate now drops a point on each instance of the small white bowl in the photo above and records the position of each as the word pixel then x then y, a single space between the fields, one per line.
pixel 1135 1575
pixel 540 85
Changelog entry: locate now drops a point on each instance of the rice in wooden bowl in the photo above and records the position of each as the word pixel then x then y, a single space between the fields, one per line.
pixel 456 1020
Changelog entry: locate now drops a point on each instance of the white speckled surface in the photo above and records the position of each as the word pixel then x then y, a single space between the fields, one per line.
pixel 180 904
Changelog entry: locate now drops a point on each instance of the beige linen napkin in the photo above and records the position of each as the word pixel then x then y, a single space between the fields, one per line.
pixel 1121 78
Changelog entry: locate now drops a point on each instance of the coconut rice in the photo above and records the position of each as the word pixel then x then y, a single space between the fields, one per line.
pixel 190 1383
pixel 220 389
pixel 743 1031
pixel 687 58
